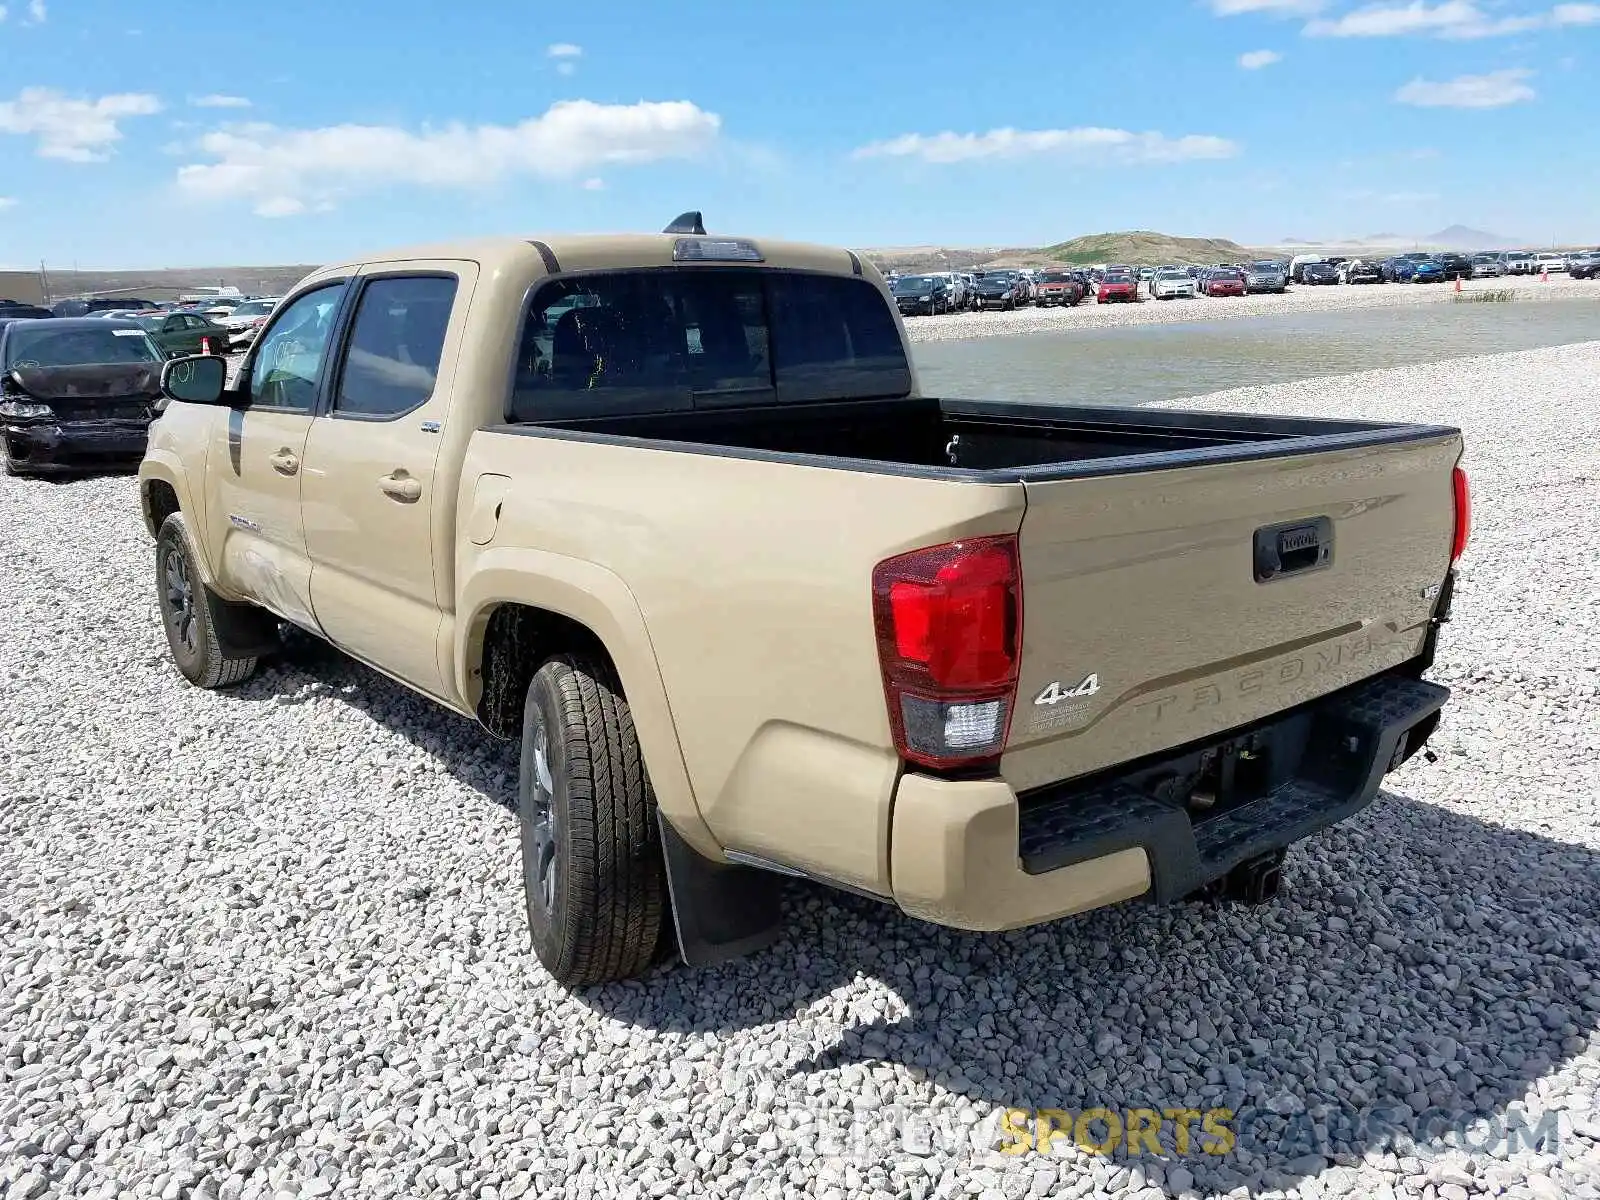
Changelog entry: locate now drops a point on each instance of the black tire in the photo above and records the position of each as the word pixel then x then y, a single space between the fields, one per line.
pixel 186 614
pixel 592 870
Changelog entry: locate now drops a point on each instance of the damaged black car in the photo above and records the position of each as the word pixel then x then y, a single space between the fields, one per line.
pixel 76 393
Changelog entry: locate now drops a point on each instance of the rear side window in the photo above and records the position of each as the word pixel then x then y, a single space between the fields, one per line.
pixel 671 340
pixel 396 340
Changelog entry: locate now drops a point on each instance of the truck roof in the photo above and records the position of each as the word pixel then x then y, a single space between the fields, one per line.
pixel 585 252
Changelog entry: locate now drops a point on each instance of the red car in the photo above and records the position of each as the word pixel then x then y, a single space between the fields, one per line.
pixel 1119 287
pixel 1059 287
pixel 1224 283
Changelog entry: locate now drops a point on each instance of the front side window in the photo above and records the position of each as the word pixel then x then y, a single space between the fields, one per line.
pixel 396 342
pixel 663 341
pixel 288 363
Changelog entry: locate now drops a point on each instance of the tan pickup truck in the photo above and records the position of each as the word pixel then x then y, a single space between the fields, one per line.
pixel 671 510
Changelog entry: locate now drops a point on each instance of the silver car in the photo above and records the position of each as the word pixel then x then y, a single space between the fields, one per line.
pixel 1266 277
pixel 1487 266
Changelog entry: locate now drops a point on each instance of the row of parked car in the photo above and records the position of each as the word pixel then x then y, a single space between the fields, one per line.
pixel 1424 267
pixel 936 292
pixel 193 325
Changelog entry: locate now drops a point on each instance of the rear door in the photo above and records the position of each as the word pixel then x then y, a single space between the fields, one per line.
pixel 254 464
pixel 377 528
pixel 1161 607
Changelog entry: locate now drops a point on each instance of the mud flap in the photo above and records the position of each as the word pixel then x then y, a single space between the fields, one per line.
pixel 720 910
pixel 243 630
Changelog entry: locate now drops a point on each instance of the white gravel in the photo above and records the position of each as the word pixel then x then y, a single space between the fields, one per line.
pixel 269 943
pixel 1299 298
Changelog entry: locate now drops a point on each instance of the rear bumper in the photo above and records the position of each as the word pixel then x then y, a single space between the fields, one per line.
pixel 974 856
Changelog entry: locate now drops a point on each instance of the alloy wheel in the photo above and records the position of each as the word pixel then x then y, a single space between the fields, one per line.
pixel 180 599
pixel 542 818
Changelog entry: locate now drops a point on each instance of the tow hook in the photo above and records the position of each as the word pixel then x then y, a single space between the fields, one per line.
pixel 1256 881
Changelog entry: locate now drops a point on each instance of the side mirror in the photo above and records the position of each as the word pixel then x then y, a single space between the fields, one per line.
pixel 195 379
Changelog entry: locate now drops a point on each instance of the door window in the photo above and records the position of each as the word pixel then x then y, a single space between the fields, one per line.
pixel 288 363
pixel 396 341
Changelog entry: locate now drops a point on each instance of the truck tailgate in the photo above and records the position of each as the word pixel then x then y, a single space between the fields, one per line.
pixel 1163 606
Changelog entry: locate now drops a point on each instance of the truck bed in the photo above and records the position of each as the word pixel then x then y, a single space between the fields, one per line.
pixel 1183 574
pixel 989 440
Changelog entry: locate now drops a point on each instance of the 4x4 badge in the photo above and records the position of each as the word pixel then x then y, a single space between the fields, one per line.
pixel 1057 691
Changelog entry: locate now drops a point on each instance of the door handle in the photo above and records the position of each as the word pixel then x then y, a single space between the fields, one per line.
pixel 284 462
pixel 1281 550
pixel 400 486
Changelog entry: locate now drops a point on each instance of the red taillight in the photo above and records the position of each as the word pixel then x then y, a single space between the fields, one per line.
pixel 1463 514
pixel 949 625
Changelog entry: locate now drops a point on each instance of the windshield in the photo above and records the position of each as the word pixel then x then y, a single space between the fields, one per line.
pixel 915 285
pixel 1265 266
pixel 1172 273
pixel 1117 277
pixel 1055 277
pixel 254 308
pixel 41 345
pixel 1230 273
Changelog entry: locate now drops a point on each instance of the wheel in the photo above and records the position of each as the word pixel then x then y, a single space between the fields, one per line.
pixel 186 614
pixel 592 871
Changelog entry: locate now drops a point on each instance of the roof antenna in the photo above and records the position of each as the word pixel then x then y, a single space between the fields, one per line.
pixel 689 222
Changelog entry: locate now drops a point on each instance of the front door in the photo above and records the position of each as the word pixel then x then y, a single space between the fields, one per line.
pixel 255 462
pixel 379 533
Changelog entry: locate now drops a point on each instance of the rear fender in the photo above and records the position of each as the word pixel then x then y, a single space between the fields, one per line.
pixel 598 600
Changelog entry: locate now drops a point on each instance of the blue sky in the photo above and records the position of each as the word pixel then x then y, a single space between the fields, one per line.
pixel 289 131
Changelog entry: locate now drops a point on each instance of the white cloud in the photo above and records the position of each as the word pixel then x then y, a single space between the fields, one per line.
pixel 594 184
pixel 278 169
pixel 69 128
pixel 1455 19
pixel 1256 59
pixel 1494 90
pixel 280 206
pixel 7 202
pixel 2 12
pixel 219 100
pixel 1108 144
pixel 36 13
pixel 566 55
pixel 1279 8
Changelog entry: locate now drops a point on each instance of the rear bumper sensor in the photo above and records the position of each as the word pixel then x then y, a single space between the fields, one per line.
pixel 1203 812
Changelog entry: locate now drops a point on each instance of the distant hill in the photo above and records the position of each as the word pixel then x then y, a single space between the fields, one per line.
pixel 1138 248
pixel 912 259
pixel 1461 237
pixel 1143 248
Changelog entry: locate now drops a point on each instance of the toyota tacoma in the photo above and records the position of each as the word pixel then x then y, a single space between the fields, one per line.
pixel 671 512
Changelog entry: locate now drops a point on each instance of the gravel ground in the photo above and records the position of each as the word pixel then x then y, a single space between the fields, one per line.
pixel 1297 299
pixel 269 943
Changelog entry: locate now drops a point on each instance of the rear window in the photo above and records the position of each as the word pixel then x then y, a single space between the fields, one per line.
pixel 669 340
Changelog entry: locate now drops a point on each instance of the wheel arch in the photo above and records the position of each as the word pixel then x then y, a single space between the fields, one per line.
pixel 518 607
pixel 164 490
